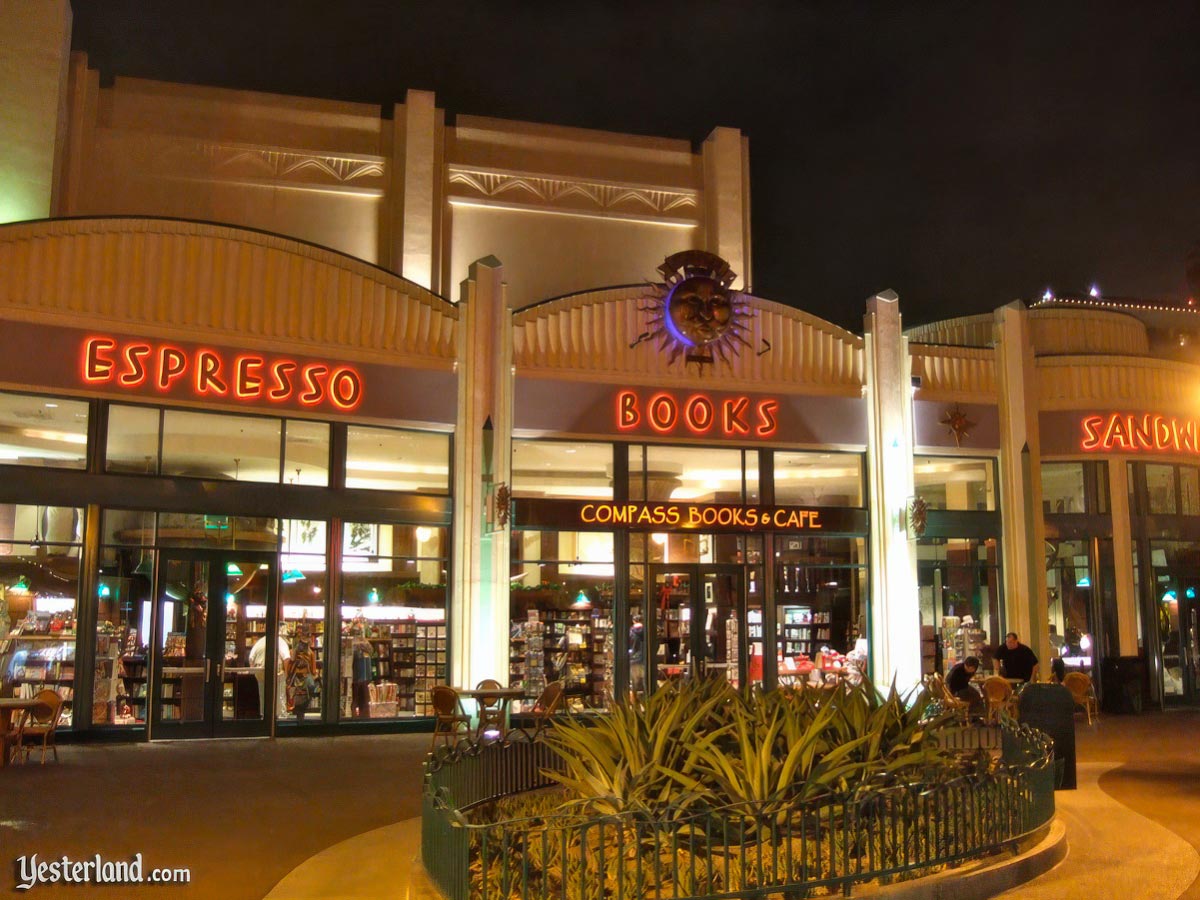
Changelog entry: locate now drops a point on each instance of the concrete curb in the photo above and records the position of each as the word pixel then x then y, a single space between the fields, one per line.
pixel 983 878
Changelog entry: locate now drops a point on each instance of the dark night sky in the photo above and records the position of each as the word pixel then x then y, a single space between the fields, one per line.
pixel 962 154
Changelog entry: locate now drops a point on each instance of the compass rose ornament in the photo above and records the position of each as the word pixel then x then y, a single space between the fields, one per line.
pixel 958 423
pixel 693 312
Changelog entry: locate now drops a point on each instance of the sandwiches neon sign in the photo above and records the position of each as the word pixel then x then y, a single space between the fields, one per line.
pixel 134 365
pixel 1152 432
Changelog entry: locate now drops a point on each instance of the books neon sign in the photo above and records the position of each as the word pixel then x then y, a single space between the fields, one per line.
pixel 1151 432
pixel 700 414
pixel 205 373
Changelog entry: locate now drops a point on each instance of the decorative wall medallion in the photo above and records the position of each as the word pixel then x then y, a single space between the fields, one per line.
pixel 693 312
pixel 918 517
pixel 958 423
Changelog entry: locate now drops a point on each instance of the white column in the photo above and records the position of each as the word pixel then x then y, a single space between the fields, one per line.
pixel 1118 504
pixel 726 160
pixel 33 94
pixel 895 603
pixel 479 599
pixel 1023 527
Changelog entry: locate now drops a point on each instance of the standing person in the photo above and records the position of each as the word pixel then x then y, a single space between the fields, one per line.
pixel 1016 660
pixel 637 654
pixel 257 660
pixel 363 673
pixel 302 675
pixel 958 683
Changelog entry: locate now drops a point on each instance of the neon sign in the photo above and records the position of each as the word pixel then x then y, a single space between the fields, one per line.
pixel 135 364
pixel 1152 432
pixel 669 516
pixel 700 414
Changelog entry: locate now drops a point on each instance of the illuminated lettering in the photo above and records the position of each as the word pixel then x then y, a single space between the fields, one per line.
pixel 699 414
pixel 135 365
pixel 281 372
pixel 138 365
pixel 345 389
pixel 208 372
pixel 97 368
pixel 1147 432
pixel 733 414
pixel 767 422
pixel 627 411
pixel 698 516
pixel 663 413
pixel 247 383
pixel 172 364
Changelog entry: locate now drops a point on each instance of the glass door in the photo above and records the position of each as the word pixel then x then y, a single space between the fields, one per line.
pixel 696 624
pixel 216 671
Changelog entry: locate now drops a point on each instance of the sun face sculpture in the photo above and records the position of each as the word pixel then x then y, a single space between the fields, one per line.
pixel 694 313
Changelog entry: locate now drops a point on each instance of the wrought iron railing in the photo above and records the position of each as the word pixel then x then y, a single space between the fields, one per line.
pixel 742 851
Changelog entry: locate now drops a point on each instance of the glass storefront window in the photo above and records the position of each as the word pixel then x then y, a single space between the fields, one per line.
pixel 131 445
pixel 43 431
pixel 1160 489
pixel 393 619
pixel 1070 588
pixel 560 607
pixel 1175 587
pixel 394 460
pixel 945 482
pixel 688 474
pixel 1189 491
pixel 820 601
pixel 39 590
pixel 562 470
pixel 225 447
pixel 959 578
pixel 818 479
pixel 123 615
pixel 306 453
pixel 215 532
pixel 303 590
pixel 1062 488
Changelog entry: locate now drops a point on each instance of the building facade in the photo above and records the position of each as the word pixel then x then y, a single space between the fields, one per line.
pixel 308 408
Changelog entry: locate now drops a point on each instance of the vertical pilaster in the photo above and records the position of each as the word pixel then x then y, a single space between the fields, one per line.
pixel 895 610
pixel 33 95
pixel 727 200
pixel 1122 532
pixel 421 169
pixel 1023 528
pixel 479 599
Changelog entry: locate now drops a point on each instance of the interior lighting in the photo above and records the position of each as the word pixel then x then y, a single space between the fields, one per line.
pixel 659 538
pixel 105 591
pixel 373 595
pixel 292 575
pixel 232 569
pixel 423 534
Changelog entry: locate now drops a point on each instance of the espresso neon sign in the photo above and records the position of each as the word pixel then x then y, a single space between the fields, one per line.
pixel 1149 432
pixel 671 516
pixel 700 414
pixel 203 373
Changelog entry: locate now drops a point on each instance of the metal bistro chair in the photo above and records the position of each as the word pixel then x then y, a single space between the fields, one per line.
pixel 547 705
pixel 450 722
pixel 999 696
pixel 1082 692
pixel 38 726
pixel 491 709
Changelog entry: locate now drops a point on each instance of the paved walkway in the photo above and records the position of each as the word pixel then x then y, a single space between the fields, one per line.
pixel 1112 851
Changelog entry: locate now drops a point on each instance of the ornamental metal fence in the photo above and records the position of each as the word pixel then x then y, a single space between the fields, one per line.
pixel 740 851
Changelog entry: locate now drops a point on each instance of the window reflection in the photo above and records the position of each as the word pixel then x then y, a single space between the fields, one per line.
pixel 953 483
pixel 43 431
pixel 394 460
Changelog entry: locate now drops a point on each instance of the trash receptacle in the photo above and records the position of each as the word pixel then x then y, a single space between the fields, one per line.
pixel 1050 708
pixel 1122 680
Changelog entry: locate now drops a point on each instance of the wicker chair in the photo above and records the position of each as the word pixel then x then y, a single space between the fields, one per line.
pixel 38 725
pixel 546 706
pixel 451 722
pixel 938 690
pixel 1082 692
pixel 998 694
pixel 491 708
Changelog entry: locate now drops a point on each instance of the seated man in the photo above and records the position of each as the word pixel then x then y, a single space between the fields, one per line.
pixel 958 683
